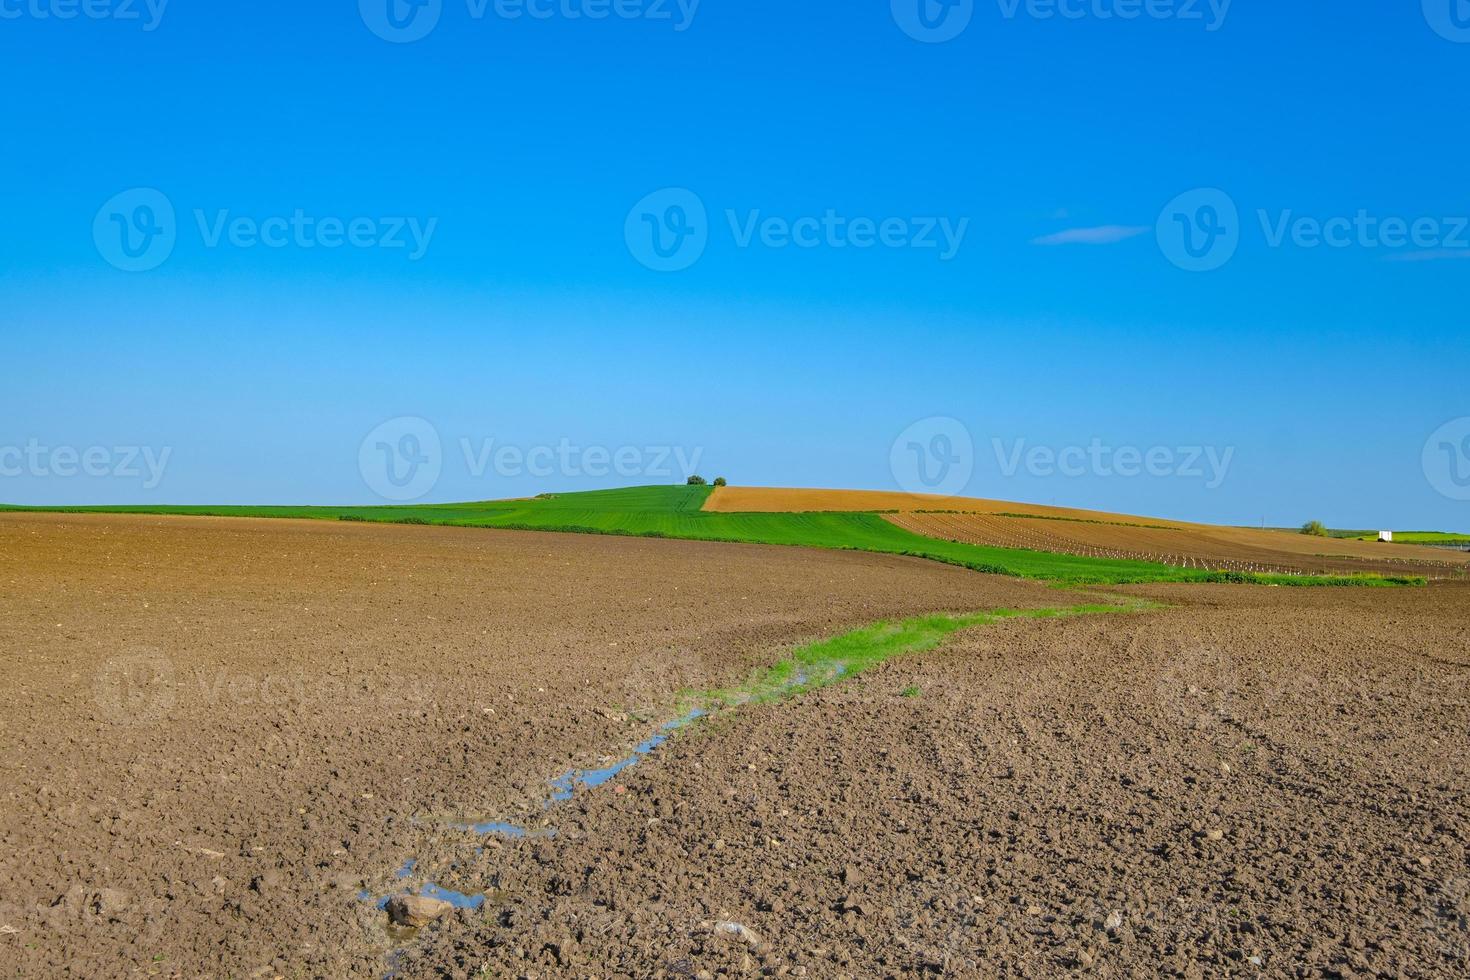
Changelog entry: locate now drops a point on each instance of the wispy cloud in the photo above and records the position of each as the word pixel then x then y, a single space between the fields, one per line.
pixel 1430 255
pixel 1102 235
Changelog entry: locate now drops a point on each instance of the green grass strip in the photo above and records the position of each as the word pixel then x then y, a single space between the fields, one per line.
pixel 832 660
pixel 675 512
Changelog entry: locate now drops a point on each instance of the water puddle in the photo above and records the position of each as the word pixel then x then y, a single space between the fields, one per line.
pixel 459 900
pixel 565 786
pixel 562 788
pixel 499 827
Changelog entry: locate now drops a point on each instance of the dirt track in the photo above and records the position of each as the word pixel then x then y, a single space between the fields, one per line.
pixel 217 733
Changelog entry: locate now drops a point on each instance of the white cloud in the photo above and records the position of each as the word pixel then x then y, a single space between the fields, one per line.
pixel 1102 235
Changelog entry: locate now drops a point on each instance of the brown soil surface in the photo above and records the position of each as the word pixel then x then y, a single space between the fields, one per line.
pixel 767 500
pixel 1257 782
pixel 216 733
pixel 1101 534
pixel 1190 546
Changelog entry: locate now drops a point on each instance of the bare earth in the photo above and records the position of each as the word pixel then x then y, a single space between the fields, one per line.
pixel 235 724
pixel 217 733
pixel 1202 546
pixel 1100 534
pixel 763 500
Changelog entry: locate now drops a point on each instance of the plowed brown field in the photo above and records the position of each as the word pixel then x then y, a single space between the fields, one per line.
pixel 1103 535
pixel 1197 546
pixel 767 500
pixel 216 731
pixel 1257 783
pixel 219 734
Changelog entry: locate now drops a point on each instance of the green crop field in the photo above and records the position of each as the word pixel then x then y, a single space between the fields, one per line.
pixel 674 512
pixel 1418 537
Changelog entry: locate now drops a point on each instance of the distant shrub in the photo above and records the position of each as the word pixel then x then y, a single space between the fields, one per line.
pixel 351 517
pixel 720 481
pixel 696 481
pixel 1315 528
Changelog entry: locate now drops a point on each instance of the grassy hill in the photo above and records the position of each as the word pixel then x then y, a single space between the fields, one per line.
pixel 674 512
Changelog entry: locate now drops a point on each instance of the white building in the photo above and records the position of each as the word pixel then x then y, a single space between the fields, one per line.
pixel 1385 535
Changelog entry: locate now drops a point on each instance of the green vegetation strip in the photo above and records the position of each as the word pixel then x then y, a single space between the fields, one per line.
pixel 1421 537
pixel 829 661
pixel 674 512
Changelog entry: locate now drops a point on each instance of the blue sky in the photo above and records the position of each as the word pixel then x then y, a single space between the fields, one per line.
pixel 1054 148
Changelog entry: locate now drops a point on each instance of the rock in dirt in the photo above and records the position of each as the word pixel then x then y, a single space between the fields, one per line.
pixel 416 911
pixel 110 901
pixel 263 883
pixel 736 932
